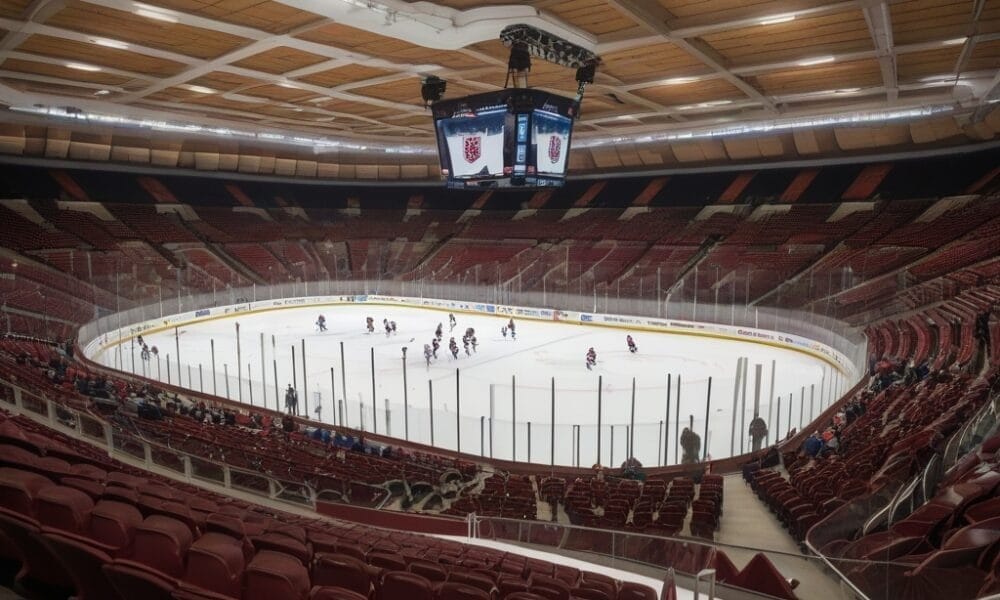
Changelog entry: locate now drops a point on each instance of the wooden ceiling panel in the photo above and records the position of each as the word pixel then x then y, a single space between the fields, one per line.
pixel 280 60
pixel 342 75
pixel 129 27
pixel 224 81
pixel 360 109
pixel 985 57
pixel 273 17
pixel 407 91
pixel 62 72
pixel 644 63
pixel 594 16
pixel 280 94
pixel 48 88
pixel 691 93
pixel 854 74
pixel 912 66
pixel 98 55
pixel 719 10
pixel 832 33
pixel 922 20
pixel 13 9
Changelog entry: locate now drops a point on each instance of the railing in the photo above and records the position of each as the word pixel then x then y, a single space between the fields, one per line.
pixel 632 550
pixel 132 447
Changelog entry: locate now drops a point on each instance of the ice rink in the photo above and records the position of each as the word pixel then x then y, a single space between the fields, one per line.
pixel 543 350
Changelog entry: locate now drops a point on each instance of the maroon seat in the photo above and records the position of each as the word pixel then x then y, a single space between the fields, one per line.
pixel 215 562
pixel 275 575
pixel 473 579
pixel 113 523
pixel 760 575
pixel 18 489
pixel 136 580
pixel 83 560
pixel 86 471
pixel 387 561
pixel 398 585
pixel 460 591
pixel 187 591
pixel 94 489
pixel 119 493
pixel 278 542
pixel 636 591
pixel 431 571
pixel 522 596
pixel 589 594
pixel 40 569
pixel 343 571
pixel 227 524
pixel 334 593
pixel 161 542
pixel 64 508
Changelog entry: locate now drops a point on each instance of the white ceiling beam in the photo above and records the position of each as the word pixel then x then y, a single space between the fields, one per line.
pixel 62 62
pixel 32 28
pixel 653 16
pixel 880 27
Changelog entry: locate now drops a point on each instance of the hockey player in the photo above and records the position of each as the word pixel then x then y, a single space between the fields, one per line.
pixel 388 329
pixel 144 353
pixel 371 325
pixel 321 323
pixel 453 346
pixel 466 342
pixel 436 343
pixel 631 344
pixel 469 332
pixel 591 359
pixel 428 353
pixel 475 344
pixel 439 333
pixel 451 322
pixel 510 325
pixel 503 330
pixel 392 326
pixel 139 341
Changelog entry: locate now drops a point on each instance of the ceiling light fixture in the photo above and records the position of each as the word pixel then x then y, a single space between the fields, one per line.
pixel 954 41
pixel 110 43
pixel 783 18
pixel 83 67
pixel 199 89
pixel 819 60
pixel 153 12
pixel 678 80
pixel 102 92
pixel 287 84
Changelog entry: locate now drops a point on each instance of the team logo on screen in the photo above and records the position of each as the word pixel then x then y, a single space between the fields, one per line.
pixel 473 147
pixel 555 148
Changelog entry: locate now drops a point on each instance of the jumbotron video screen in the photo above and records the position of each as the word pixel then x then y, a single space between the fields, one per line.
pixel 509 138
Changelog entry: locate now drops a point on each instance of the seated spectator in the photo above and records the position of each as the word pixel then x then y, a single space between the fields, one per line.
pixel 813 445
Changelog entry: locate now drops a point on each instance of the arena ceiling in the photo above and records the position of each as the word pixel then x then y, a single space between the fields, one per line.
pixel 681 81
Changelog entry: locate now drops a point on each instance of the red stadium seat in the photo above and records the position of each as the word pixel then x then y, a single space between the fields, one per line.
pixel 342 571
pixel 397 585
pixel 215 562
pixel 83 561
pixel 136 580
pixel 275 575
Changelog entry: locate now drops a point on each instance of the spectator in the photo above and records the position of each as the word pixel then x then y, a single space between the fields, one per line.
pixel 758 431
pixel 691 443
pixel 813 445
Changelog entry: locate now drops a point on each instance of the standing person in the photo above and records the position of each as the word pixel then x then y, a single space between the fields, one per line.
pixel 437 344
pixel 439 333
pixel 392 326
pixel 453 346
pixel 510 325
pixel 758 431
pixel 291 400
pixel 631 344
pixel 370 323
pixel 427 354
pixel 503 330
pixel 451 322
pixel 465 342
pixel 591 359
pixel 321 323
pixel 475 344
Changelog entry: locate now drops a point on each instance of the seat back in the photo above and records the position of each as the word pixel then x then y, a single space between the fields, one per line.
pixel 83 561
pixel 113 523
pixel 18 489
pixel 215 562
pixel 342 571
pixel 161 542
pixel 460 591
pixel 64 508
pixel 275 575
pixel 397 585
pixel 136 580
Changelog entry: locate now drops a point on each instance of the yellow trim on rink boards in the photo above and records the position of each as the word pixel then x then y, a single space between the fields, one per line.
pixel 646 328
